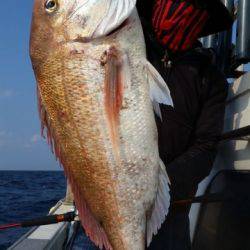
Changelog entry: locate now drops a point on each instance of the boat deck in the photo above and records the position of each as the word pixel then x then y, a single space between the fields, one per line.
pixel 48 236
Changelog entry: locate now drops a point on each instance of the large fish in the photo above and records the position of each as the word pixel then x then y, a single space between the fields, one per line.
pixel 95 90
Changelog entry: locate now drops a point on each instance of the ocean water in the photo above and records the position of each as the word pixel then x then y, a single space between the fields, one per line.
pixel 26 195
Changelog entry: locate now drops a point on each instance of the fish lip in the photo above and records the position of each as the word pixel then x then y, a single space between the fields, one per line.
pixel 84 40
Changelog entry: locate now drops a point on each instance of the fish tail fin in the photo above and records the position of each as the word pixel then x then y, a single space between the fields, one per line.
pixel 159 91
pixel 92 227
pixel 161 205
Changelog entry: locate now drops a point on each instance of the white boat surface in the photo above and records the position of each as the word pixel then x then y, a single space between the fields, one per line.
pixel 49 237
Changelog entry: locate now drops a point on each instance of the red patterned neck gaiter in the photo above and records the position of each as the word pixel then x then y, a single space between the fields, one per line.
pixel 177 23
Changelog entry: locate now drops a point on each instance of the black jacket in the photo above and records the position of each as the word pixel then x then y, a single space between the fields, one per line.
pixel 189 132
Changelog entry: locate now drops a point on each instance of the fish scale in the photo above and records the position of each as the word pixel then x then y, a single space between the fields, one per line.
pixel 74 149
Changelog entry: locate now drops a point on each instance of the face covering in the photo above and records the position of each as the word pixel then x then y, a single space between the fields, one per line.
pixel 177 23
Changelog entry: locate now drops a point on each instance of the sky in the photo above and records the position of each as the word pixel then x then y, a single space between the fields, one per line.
pixel 21 146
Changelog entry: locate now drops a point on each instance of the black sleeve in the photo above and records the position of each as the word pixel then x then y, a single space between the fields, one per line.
pixel 145 8
pixel 195 164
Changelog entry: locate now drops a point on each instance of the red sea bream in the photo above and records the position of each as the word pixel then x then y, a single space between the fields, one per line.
pixel 96 95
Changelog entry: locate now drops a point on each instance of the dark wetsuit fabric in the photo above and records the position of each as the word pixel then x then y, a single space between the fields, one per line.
pixel 189 131
pixel 188 134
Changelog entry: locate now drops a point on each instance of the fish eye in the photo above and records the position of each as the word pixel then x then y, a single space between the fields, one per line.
pixel 51 5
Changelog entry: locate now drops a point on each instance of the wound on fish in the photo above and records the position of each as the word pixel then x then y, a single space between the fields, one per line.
pixel 113 93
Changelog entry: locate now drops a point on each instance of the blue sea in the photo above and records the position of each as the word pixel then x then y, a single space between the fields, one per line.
pixel 26 195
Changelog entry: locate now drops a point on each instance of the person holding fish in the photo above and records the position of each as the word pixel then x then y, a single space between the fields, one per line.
pixel 98 95
pixel 189 130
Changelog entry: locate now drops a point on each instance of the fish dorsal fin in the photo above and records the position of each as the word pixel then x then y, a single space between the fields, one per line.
pixel 161 206
pixel 159 91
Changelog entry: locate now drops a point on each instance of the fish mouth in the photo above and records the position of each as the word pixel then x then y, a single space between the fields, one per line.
pixel 80 39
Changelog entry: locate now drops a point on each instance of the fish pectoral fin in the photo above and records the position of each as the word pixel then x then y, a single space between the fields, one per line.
pixel 161 206
pixel 159 91
pixel 117 80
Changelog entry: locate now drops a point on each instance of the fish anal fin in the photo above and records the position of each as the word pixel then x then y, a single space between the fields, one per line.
pixel 92 227
pixel 161 205
pixel 159 91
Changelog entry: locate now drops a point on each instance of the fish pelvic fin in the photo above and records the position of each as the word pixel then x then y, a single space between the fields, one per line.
pixel 117 75
pixel 159 91
pixel 161 205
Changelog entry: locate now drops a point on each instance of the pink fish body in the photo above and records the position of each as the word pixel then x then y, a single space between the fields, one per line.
pixel 95 90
